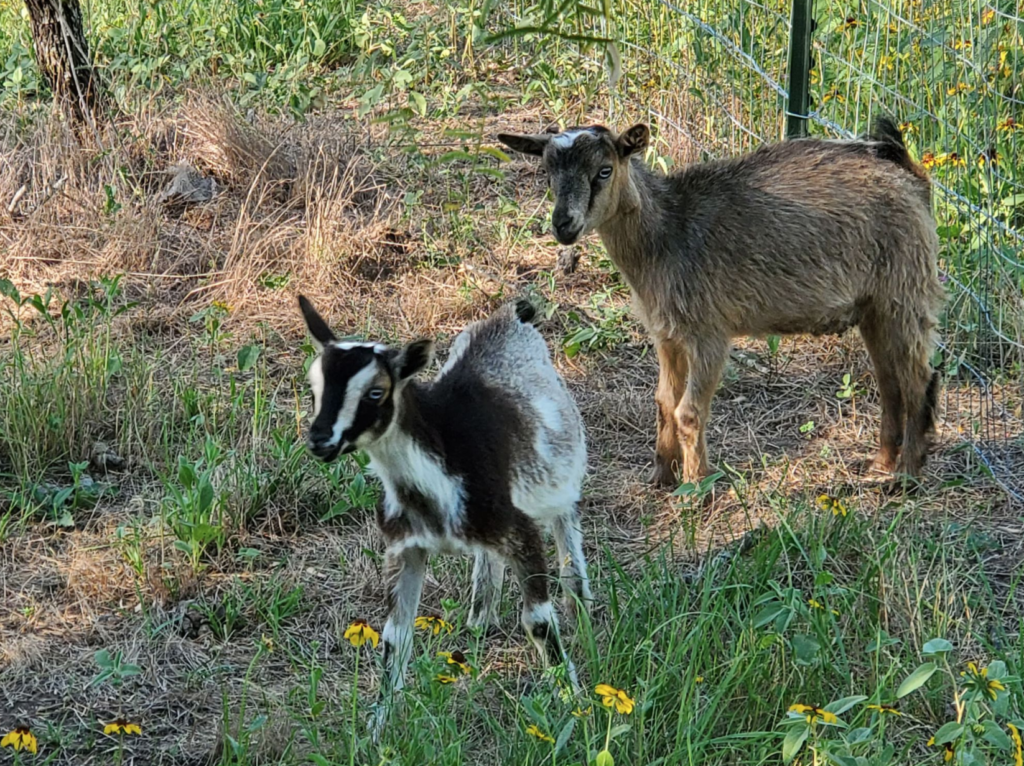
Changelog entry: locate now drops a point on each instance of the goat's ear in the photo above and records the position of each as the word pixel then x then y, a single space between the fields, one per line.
pixel 633 140
pixel 413 358
pixel 526 144
pixel 315 324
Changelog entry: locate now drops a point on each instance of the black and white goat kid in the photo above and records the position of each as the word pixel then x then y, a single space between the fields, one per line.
pixel 476 461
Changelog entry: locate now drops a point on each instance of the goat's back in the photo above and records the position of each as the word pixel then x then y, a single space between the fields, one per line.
pixel 511 358
pixel 799 236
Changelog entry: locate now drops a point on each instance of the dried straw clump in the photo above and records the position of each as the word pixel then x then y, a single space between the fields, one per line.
pixel 220 141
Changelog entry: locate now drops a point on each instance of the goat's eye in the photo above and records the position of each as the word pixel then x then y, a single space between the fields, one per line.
pixel 605 173
pixel 375 394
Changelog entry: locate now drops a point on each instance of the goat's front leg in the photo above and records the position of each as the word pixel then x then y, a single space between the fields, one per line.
pixel 672 368
pixel 706 362
pixel 488 578
pixel 404 570
pixel 524 551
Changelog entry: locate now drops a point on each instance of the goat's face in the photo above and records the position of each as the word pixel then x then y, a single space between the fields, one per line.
pixel 355 387
pixel 588 170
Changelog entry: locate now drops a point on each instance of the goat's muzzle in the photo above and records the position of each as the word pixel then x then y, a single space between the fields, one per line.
pixel 566 234
pixel 326 452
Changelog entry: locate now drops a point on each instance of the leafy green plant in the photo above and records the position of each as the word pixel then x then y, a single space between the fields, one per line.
pixel 193 508
pixel 113 668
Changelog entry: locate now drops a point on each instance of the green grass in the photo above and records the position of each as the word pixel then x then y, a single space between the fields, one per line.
pixel 822 607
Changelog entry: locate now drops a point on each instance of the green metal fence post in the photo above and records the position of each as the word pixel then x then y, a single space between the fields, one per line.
pixel 799 68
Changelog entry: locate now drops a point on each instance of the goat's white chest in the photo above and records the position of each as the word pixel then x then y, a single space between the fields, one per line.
pixel 437 518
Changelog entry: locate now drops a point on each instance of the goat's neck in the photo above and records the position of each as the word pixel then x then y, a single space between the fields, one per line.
pixel 633 236
pixel 410 443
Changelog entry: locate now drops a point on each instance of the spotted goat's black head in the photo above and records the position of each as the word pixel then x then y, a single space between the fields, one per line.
pixel 355 387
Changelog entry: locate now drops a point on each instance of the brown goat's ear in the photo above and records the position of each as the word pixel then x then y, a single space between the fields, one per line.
pixel 315 324
pixel 525 144
pixel 413 358
pixel 633 140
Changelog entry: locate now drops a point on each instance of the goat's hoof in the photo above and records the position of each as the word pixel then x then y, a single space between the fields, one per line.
pixel 880 465
pixel 663 476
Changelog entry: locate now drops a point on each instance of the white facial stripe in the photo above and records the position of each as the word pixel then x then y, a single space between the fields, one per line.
pixel 354 391
pixel 566 139
pixel 316 382
pixel 346 345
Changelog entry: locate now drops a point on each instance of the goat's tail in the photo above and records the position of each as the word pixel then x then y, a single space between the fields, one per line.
pixel 890 146
pixel 526 312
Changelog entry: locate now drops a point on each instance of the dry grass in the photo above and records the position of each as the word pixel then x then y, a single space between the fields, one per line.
pixel 317 207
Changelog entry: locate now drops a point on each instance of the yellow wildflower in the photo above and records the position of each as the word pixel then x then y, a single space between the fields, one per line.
pixel 814 714
pixel 121 726
pixel 908 128
pixel 833 504
pixel 532 729
pixel 885 709
pixel 20 738
pixel 433 624
pixel 814 603
pixel 442 678
pixel 457 658
pixel 581 713
pixel 928 160
pixel 359 632
pixel 833 94
pixel 987 15
pixel 1018 745
pixel 948 750
pixel 1008 125
pixel 617 698
pixel 699 680
pixel 979 680
pixel 268 643
pixel 225 307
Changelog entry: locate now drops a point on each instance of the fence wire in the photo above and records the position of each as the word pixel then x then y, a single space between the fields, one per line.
pixel 711 76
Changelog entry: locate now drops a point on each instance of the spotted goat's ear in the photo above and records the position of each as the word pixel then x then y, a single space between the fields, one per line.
pixel 317 327
pixel 413 358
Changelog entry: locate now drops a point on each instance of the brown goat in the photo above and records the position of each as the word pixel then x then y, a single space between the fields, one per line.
pixel 807 236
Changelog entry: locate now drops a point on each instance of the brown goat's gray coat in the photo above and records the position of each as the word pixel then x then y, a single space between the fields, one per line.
pixel 806 236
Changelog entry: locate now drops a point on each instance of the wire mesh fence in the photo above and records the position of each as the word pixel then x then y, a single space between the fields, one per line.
pixel 712 77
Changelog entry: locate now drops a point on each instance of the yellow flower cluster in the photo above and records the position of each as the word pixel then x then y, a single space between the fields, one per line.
pixel 121 726
pixel 978 680
pixel 814 714
pixel 1018 745
pixel 458 659
pixel 884 710
pixel 617 698
pixel 359 632
pixel 834 504
pixel 433 624
pixel 21 738
pixel 532 729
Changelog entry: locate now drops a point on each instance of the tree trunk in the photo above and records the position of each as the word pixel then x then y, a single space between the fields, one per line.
pixel 63 56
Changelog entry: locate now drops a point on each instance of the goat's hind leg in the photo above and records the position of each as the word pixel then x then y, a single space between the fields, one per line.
pixel 488 579
pixel 524 551
pixel 573 573
pixel 876 337
pixel 404 571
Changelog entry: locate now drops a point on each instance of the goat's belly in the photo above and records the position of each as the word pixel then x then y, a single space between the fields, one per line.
pixel 434 544
pixel 826 322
